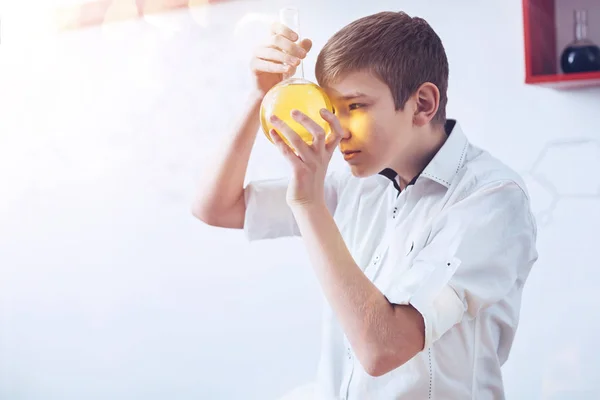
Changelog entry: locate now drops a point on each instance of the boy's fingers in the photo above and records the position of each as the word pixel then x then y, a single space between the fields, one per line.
pixel 306 44
pixel 285 44
pixel 311 126
pixel 277 28
pixel 286 150
pixel 271 54
pixel 259 65
pixel 336 130
pixel 301 148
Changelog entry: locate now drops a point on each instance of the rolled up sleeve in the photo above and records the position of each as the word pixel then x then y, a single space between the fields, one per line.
pixel 478 249
pixel 268 215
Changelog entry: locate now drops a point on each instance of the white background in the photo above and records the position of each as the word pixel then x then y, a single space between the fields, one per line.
pixel 109 289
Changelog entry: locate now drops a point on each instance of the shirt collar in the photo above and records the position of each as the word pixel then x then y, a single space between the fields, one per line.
pixel 445 164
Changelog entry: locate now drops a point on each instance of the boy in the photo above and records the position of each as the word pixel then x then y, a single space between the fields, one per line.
pixel 422 248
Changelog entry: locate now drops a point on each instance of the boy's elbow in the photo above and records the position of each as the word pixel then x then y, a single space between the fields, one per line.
pixel 205 215
pixel 375 368
pixel 379 365
pixel 373 360
pixel 219 216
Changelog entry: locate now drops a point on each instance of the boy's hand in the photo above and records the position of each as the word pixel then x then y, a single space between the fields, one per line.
pixel 310 162
pixel 278 58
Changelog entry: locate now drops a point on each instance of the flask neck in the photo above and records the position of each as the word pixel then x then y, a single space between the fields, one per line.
pixel 580 25
pixel 290 17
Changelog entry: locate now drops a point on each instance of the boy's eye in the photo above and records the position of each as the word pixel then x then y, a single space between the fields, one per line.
pixel 354 106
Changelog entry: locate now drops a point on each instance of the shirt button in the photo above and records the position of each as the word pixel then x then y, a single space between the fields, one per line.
pixel 349 353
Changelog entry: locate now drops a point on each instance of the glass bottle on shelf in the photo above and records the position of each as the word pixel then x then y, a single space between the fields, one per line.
pixel 294 92
pixel 581 55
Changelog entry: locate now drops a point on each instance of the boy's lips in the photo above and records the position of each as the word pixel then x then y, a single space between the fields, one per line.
pixel 349 154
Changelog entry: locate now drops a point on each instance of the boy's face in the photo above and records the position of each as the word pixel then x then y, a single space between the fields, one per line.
pixel 375 136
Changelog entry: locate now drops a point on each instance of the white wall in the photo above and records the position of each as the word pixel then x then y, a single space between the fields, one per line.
pixel 109 289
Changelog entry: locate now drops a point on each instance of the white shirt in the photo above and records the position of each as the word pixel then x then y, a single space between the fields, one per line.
pixel 457 244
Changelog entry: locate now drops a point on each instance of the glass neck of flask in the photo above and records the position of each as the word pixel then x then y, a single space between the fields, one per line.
pixel 580 25
pixel 290 17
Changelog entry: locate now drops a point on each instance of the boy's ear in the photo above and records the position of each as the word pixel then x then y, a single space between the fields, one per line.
pixel 427 101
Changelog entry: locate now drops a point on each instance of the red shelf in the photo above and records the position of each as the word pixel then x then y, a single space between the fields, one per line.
pixel 565 81
pixel 547 28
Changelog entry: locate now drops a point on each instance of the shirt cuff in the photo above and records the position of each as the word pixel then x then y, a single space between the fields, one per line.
pixel 268 215
pixel 425 287
pixel 439 316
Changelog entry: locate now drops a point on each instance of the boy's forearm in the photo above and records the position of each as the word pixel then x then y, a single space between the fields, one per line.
pixel 356 301
pixel 376 328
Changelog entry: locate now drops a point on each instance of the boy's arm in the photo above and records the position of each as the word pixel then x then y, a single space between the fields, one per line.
pixel 491 236
pixel 220 199
pixel 382 335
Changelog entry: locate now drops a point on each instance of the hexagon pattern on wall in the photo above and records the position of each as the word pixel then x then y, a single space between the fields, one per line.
pixel 563 169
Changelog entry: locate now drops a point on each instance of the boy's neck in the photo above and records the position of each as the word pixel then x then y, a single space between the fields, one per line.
pixel 424 148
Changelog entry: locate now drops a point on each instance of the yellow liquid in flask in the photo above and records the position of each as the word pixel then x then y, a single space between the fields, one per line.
pixel 299 94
